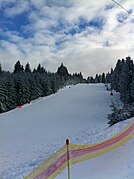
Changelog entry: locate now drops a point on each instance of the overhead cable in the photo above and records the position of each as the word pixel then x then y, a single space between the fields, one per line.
pixel 123 8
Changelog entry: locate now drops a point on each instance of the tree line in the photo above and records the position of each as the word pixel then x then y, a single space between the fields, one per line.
pixel 99 78
pixel 121 79
pixel 23 85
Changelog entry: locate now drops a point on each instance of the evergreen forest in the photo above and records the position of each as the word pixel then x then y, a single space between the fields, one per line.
pixel 24 85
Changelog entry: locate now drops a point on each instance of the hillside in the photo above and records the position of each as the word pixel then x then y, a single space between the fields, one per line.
pixel 30 135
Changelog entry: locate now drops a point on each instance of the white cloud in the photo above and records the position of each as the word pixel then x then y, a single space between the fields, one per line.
pixel 90 50
pixel 17 8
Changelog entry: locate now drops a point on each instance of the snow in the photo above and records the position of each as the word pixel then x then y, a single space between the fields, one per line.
pixel 28 136
pixel 118 163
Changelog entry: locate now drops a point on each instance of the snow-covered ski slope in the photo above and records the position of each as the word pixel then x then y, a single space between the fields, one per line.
pixel 28 136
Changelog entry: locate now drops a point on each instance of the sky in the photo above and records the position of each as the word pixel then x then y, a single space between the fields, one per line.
pixel 87 36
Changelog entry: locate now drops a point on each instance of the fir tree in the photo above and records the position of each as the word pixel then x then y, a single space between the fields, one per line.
pixel 96 78
pixel 18 68
pixel 62 71
pixel 27 68
pixel 103 78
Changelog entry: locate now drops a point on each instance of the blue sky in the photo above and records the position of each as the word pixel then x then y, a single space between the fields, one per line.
pixel 87 36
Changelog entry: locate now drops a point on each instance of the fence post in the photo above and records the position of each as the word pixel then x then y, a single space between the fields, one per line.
pixel 67 143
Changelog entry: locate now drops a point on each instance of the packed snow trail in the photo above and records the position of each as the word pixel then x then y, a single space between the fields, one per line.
pixel 28 136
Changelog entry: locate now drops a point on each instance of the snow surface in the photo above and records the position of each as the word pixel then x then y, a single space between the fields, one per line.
pixel 28 136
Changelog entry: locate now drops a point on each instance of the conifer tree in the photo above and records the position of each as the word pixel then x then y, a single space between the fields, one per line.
pixel 62 71
pixel 96 78
pixel 18 68
pixel 103 78
pixel 27 68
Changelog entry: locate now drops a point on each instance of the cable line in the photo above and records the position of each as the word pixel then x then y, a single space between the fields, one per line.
pixel 123 8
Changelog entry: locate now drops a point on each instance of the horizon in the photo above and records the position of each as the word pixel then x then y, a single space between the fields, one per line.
pixel 47 69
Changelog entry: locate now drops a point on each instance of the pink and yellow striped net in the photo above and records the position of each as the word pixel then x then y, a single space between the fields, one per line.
pixel 56 163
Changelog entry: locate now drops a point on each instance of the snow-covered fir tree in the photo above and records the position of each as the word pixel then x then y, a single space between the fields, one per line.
pixel 23 85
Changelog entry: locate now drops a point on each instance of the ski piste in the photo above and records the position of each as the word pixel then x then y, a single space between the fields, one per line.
pixel 33 133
